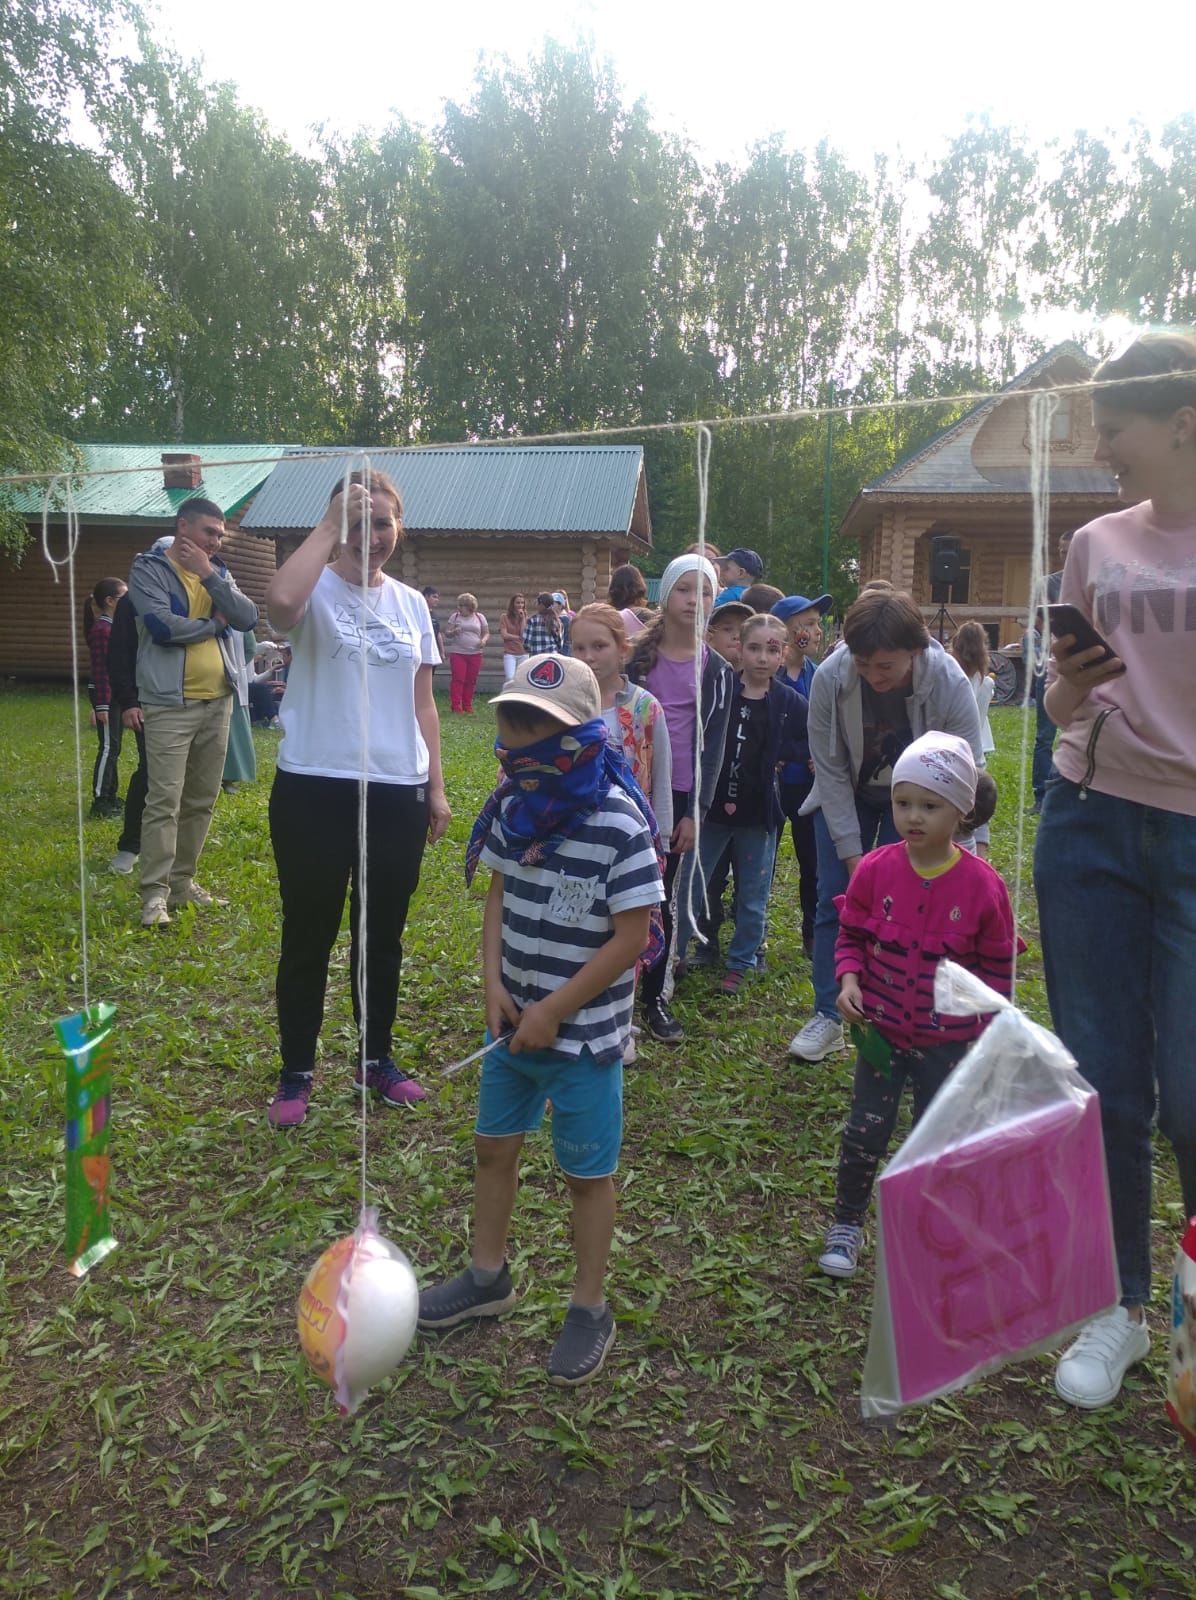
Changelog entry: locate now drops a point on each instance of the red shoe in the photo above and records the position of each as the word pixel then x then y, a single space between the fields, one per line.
pixel 731 982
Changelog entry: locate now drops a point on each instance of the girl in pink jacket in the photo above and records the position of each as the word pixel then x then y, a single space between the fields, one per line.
pixel 908 906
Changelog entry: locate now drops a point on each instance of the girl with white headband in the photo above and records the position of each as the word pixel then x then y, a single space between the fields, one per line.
pixel 663 661
pixel 907 906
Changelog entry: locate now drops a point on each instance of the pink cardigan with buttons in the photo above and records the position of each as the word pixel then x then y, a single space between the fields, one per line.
pixel 895 927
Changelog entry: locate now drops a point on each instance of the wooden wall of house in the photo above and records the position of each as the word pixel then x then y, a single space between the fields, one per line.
pixel 35 639
pixel 1003 439
pixel 35 628
pixel 999 545
pixel 252 564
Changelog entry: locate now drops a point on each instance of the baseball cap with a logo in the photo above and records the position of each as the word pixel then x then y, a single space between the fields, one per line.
pixel 560 686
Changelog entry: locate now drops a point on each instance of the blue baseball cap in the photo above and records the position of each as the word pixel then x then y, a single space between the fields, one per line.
pixel 793 604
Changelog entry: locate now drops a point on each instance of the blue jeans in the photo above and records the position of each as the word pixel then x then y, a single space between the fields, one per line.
pixel 1042 765
pixel 752 851
pixel 1116 885
pixel 876 828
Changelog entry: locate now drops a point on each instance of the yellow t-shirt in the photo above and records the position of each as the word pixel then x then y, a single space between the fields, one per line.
pixel 203 673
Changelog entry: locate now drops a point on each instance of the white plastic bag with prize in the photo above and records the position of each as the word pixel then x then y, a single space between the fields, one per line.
pixel 995 1239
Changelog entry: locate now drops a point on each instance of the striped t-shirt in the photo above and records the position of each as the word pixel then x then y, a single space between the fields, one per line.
pixel 556 915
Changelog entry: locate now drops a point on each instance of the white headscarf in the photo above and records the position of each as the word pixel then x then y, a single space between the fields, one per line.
pixel 942 763
pixel 678 567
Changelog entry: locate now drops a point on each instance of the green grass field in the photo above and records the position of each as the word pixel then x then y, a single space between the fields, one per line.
pixel 160 1434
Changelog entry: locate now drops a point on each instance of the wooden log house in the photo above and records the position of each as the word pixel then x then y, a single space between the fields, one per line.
pixel 972 483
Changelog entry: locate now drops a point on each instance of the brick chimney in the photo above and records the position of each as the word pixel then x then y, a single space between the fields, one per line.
pixel 181 471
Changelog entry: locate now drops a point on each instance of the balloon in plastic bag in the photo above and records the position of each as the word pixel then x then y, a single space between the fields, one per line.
pixel 1181 1379
pixel 357 1312
pixel 995 1235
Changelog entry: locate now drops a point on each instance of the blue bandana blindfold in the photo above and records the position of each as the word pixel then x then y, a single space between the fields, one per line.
pixel 548 791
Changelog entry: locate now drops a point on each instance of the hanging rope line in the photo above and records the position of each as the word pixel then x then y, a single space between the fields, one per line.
pixel 704 443
pixel 363 793
pixel 1043 405
pixel 56 565
pixel 583 435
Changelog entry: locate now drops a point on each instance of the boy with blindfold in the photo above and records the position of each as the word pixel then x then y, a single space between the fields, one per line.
pixel 575 884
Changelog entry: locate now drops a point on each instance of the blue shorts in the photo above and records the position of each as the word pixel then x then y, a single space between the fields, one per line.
pixel 587 1105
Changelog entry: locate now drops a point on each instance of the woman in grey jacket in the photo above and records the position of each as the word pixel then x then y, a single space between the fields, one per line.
pixel 886 685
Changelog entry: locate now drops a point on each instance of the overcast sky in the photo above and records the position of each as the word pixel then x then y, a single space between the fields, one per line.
pixel 868 76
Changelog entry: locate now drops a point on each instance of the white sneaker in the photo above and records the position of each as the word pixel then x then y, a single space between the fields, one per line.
pixel 1091 1369
pixel 821 1036
pixel 154 913
pixel 631 1049
pixel 123 862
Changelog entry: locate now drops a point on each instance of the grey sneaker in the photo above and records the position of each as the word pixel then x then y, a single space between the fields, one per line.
pixel 444 1305
pixel 154 913
pixel 841 1256
pixel 580 1352
pixel 821 1037
pixel 195 895
pixel 123 862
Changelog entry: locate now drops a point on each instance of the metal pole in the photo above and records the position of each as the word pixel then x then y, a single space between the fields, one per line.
pixel 826 487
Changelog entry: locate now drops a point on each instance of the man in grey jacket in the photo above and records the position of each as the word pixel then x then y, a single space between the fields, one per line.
pixel 888 684
pixel 189 615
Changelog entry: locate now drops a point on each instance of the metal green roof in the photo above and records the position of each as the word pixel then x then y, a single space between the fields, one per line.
pixel 231 473
pixel 515 488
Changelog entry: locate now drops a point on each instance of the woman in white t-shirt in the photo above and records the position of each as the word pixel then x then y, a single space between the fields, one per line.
pixel 358 707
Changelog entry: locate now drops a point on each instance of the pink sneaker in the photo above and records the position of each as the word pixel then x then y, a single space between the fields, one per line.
pixel 392 1086
pixel 289 1105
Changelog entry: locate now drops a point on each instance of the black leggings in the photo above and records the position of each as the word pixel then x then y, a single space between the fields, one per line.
pixel 130 837
pixel 313 828
pixel 652 982
pixel 875 1101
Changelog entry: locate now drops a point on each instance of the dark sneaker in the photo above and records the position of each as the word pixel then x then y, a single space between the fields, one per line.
pixel 289 1105
pixel 732 982
pixel 841 1256
pixel 392 1086
pixel 662 1024
pixel 705 955
pixel 579 1353
pixel 446 1304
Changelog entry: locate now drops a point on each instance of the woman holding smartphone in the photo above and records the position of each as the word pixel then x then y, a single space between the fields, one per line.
pixel 1115 857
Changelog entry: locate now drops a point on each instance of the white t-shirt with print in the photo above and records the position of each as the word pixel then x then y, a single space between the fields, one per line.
pixel 323 710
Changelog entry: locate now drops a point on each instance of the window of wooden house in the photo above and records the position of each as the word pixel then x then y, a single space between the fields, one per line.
pixel 1061 421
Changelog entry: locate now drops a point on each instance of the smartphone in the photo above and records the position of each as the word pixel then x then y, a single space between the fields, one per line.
pixel 1065 619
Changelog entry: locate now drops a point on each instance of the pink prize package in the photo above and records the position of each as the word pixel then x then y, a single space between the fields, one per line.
pixel 995 1236
pixel 1181 1378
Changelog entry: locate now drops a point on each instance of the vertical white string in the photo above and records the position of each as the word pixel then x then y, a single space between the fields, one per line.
pixel 1043 405
pixel 363 792
pixel 68 561
pixel 704 442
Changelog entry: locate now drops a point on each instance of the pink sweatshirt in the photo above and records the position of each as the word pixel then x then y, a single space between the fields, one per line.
pixel 1135 736
pixel 896 926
